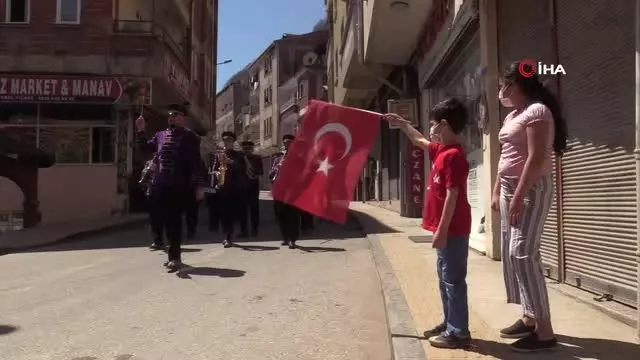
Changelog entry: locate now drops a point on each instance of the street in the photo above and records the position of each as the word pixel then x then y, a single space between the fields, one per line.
pixel 109 298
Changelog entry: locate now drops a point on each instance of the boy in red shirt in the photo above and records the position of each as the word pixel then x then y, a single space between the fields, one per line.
pixel 447 214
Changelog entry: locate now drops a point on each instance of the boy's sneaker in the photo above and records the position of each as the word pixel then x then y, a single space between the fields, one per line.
pixel 450 341
pixel 439 329
pixel 517 330
pixel 531 343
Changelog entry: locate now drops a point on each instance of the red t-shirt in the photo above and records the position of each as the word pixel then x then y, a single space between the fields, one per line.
pixel 449 169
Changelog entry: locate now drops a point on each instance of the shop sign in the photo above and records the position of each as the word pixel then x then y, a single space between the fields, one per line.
pixel 407 108
pixel 58 89
pixel 416 175
pixel 177 77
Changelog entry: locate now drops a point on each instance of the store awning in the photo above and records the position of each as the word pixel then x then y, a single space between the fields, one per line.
pixel 24 154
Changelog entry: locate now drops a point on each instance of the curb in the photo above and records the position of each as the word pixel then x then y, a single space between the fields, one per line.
pixel 126 225
pixel 404 340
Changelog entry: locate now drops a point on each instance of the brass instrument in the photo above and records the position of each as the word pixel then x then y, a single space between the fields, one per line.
pixel 222 169
pixel 279 165
pixel 146 176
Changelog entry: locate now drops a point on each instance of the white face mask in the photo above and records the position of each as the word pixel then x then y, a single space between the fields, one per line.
pixel 505 101
pixel 433 135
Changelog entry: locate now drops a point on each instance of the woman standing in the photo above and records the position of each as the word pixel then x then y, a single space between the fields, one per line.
pixel 523 194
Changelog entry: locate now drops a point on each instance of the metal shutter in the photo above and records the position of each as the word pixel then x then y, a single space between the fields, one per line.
pixel 549 240
pixel 596 48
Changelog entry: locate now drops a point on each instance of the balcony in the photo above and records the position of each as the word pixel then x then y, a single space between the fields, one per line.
pixel 392 27
pixel 137 28
pixel 357 78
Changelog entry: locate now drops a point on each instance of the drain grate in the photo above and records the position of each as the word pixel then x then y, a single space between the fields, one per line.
pixel 420 238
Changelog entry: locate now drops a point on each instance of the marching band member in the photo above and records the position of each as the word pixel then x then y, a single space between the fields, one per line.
pixel 178 172
pixel 287 216
pixel 252 202
pixel 211 195
pixel 231 172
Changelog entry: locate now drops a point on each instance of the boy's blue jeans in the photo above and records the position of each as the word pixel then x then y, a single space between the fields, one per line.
pixel 452 273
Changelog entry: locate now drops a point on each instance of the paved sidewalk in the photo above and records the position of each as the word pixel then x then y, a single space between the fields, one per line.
pixel 583 331
pixel 50 234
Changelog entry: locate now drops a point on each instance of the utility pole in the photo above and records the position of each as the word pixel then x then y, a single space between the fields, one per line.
pixel 214 64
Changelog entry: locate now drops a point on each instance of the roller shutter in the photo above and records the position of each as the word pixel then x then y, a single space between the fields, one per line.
pixel 549 242
pixel 598 172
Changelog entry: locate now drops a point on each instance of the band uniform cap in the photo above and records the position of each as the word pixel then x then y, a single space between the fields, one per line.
pixel 247 143
pixel 178 107
pixel 228 134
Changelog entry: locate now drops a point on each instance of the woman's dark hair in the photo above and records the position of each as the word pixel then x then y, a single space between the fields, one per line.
pixel 534 90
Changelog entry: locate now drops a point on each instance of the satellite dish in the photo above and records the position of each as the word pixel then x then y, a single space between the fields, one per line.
pixel 309 59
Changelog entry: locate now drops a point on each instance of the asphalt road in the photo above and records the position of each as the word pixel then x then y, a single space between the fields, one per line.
pixel 109 298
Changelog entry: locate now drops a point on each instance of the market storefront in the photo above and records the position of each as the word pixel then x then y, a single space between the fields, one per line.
pixel 75 119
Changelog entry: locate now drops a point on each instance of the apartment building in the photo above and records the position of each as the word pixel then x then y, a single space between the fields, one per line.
pixel 277 64
pixel 590 239
pixel 232 103
pixel 74 74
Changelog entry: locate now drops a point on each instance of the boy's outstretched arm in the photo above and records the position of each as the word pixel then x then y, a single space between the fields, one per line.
pixel 406 127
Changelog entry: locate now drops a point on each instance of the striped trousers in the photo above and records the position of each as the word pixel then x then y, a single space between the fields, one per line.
pixel 521 261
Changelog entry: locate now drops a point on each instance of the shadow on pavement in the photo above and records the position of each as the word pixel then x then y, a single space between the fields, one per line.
pixel 255 247
pixel 268 231
pixel 569 348
pixel 314 249
pixel 7 329
pixel 209 271
pixel 408 336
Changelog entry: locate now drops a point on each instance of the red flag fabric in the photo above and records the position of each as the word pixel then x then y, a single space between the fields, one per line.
pixel 322 166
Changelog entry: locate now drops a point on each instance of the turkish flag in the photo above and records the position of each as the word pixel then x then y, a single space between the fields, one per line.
pixel 323 164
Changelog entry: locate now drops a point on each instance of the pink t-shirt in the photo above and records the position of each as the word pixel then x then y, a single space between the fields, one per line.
pixel 513 137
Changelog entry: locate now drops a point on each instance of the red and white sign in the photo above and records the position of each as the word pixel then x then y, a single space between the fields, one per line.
pixel 177 77
pixel 416 176
pixel 58 88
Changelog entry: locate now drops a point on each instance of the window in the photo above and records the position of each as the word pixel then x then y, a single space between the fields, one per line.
pixel 194 66
pixel 69 11
pixel 267 97
pixel 103 140
pixel 300 92
pixel 74 134
pixel 17 11
pixel 268 128
pixel 267 65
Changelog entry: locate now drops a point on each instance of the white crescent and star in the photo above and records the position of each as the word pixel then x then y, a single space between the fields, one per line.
pixel 324 165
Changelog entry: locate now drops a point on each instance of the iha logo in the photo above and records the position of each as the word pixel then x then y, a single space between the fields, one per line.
pixel 528 68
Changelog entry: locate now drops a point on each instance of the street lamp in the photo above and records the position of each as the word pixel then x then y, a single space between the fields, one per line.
pixel 224 62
